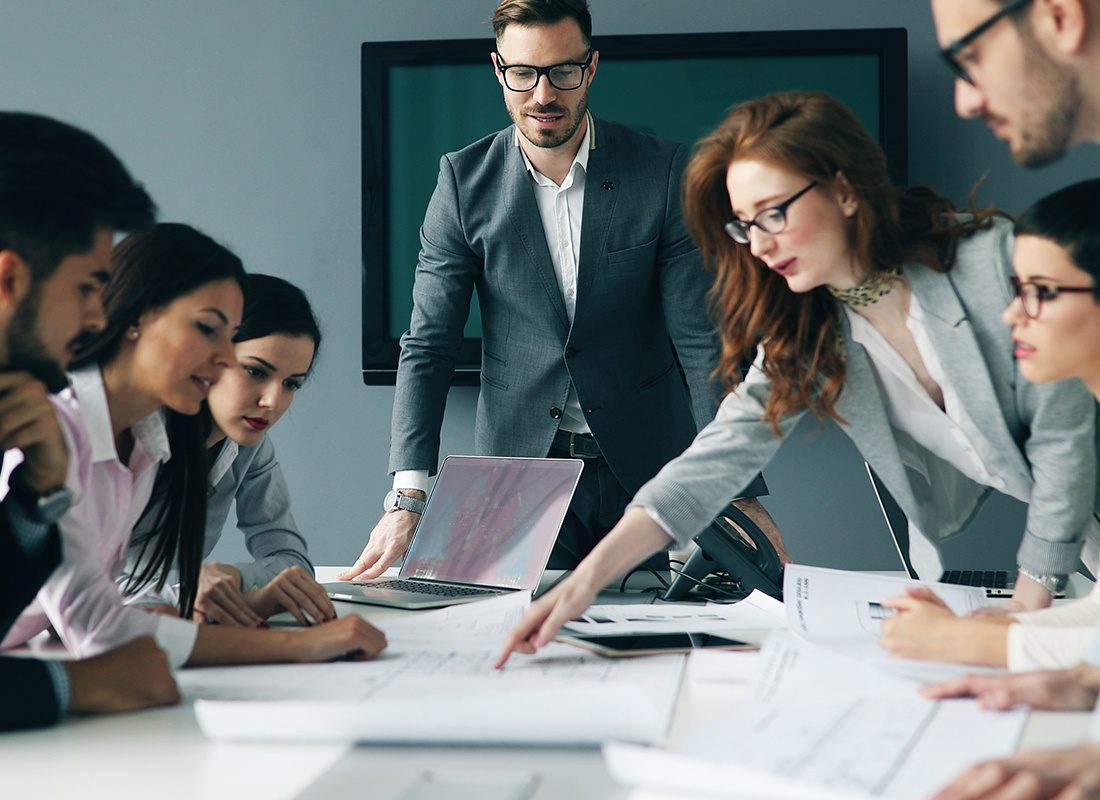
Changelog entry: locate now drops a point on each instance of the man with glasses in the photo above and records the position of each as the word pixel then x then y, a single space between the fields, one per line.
pixel 1029 68
pixel 592 294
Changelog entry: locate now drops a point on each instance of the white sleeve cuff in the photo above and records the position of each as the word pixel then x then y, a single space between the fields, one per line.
pixel 176 637
pixel 411 479
pixel 1030 647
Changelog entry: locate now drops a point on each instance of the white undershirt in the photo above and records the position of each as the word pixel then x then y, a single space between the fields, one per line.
pixel 560 209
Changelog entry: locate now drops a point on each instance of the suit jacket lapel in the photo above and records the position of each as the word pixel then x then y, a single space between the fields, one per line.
pixel 601 191
pixel 524 219
pixel 962 360
pixel 862 405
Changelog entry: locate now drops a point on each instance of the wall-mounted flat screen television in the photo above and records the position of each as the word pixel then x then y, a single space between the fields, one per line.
pixel 426 98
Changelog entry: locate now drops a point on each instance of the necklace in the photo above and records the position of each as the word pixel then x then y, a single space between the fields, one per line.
pixel 870 290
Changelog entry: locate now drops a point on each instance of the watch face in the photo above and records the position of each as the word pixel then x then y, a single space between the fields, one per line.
pixel 390 503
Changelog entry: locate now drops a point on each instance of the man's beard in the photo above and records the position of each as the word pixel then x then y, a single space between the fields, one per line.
pixel 550 139
pixel 1052 135
pixel 26 353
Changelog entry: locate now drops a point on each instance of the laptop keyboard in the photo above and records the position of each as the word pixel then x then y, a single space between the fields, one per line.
pixel 437 589
pixel 988 579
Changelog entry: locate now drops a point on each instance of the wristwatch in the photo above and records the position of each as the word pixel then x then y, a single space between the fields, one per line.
pixel 1055 584
pixel 397 499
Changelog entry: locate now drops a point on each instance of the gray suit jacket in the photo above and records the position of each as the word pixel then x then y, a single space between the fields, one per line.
pixel 1048 432
pixel 640 305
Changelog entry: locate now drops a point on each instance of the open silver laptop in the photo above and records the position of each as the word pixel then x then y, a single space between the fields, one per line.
pixel 997 583
pixel 488 528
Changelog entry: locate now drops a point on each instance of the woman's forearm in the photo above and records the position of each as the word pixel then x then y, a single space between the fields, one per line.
pixel 635 538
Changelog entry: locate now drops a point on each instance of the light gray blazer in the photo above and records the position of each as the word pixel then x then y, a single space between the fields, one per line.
pixel 1047 431
pixel 641 306
pixel 252 478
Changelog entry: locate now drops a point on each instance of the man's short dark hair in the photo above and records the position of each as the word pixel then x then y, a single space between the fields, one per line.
pixel 58 186
pixel 1068 218
pixel 542 12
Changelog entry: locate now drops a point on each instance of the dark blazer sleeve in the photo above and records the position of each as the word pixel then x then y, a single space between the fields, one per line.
pixel 445 277
pixel 21 576
pixel 27 698
pixel 684 286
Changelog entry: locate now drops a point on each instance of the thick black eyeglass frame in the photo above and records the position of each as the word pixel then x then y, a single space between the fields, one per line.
pixel 540 71
pixel 738 229
pixel 1044 293
pixel 950 54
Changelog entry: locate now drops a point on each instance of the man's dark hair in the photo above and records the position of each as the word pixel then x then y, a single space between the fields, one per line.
pixel 1068 218
pixel 58 186
pixel 542 12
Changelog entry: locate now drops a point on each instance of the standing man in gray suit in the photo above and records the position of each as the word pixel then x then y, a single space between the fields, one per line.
pixel 593 296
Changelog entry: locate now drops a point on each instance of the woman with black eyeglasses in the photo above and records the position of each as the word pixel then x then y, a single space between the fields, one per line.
pixel 877 308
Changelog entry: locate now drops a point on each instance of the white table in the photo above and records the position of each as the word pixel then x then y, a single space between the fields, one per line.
pixel 162 753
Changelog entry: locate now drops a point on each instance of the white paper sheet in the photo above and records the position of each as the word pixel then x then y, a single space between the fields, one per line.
pixel 435 682
pixel 563 696
pixel 842 610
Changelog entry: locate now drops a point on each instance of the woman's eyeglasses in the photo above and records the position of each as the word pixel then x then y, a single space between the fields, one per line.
pixel 771 220
pixel 1032 295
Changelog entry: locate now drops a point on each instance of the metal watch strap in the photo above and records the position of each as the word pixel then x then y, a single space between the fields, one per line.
pixel 1052 583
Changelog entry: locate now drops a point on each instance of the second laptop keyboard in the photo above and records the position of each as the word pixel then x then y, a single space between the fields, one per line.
pixel 987 579
pixel 437 589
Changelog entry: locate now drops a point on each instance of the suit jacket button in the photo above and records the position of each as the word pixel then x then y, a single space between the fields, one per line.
pixel 555 412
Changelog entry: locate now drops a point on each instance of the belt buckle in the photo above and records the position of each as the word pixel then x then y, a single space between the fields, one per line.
pixel 572 449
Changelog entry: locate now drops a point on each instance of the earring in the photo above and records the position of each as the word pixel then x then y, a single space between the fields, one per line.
pixel 132 334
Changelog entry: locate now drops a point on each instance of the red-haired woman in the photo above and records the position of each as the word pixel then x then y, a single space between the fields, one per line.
pixel 876 307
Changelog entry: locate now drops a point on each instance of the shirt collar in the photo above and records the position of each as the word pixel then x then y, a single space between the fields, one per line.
pixel 150 432
pixel 226 456
pixel 588 144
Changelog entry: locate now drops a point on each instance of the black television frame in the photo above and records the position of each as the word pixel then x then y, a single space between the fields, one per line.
pixel 380 351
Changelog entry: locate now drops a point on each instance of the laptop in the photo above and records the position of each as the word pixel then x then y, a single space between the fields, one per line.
pixel 487 529
pixel 997 583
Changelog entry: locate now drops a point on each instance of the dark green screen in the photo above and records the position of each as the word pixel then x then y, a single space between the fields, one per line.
pixel 436 109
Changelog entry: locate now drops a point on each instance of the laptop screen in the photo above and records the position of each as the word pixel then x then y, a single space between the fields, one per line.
pixel 492 521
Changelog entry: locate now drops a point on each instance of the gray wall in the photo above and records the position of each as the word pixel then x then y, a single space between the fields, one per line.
pixel 242 117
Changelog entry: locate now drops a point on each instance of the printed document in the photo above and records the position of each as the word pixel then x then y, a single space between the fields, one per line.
pixel 435 683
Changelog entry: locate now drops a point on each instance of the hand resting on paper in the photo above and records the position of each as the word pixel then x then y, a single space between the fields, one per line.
pixel 925 628
pixel 1065 774
pixel 1073 689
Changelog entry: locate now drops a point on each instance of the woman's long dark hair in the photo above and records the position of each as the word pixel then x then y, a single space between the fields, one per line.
pixel 273 306
pixel 815 136
pixel 151 269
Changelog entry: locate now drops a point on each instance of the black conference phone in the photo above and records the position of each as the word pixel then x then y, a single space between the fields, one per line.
pixel 735 565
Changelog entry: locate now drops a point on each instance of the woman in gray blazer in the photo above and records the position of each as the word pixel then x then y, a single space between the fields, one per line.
pixel 276 346
pixel 877 308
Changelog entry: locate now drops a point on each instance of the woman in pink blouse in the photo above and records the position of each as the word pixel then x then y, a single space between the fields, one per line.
pixel 172 304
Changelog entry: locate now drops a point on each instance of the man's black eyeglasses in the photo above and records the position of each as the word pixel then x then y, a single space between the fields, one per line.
pixel 950 54
pixel 1032 295
pixel 566 76
pixel 771 220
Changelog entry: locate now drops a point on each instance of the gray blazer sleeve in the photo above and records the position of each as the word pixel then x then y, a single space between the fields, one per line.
pixel 445 278
pixel 684 286
pixel 690 491
pixel 263 516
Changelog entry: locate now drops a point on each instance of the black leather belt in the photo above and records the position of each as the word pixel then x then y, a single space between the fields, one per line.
pixel 578 445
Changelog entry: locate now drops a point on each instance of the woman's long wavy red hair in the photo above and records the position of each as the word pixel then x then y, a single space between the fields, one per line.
pixel 817 137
